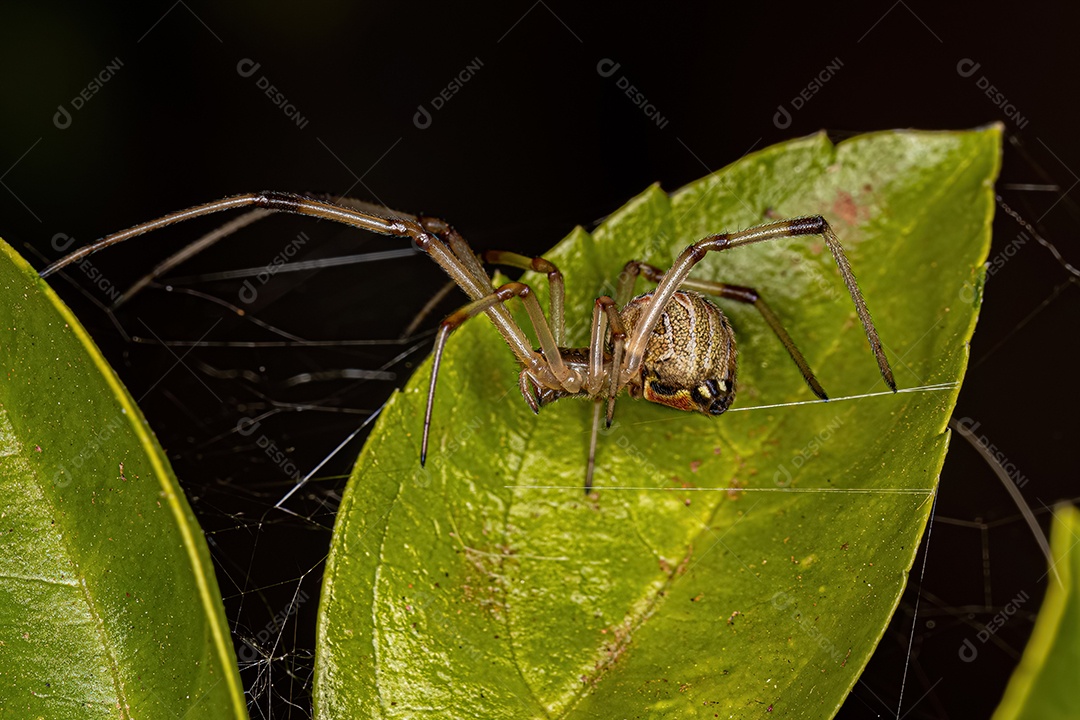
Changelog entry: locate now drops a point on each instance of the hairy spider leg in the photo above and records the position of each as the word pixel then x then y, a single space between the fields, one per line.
pixel 605 313
pixel 455 319
pixel 475 285
pixel 452 254
pixel 738 293
pixel 556 287
pixel 676 276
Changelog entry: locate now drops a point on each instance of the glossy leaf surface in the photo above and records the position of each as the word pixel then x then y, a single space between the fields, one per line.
pixel 108 603
pixel 728 566
pixel 1044 685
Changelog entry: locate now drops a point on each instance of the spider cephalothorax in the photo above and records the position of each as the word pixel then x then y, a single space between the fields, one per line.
pixel 689 362
pixel 671 346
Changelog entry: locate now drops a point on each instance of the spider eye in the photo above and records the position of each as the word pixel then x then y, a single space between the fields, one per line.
pixel 716 387
pixel 720 405
pixel 714 396
pixel 711 389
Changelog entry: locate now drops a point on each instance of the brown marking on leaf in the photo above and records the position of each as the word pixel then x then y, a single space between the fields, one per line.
pixel 685 564
pixel 484 584
pixel 846 208
pixel 676 480
pixel 612 651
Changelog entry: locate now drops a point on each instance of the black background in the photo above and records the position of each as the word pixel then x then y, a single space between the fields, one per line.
pixel 535 142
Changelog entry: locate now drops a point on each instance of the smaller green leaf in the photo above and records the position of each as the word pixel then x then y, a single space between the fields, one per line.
pixel 108 603
pixel 1044 685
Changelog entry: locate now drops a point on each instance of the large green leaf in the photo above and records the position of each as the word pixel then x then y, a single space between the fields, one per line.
pixel 724 566
pixel 108 603
pixel 1044 685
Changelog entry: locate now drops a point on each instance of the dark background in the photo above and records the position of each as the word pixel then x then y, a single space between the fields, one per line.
pixel 535 142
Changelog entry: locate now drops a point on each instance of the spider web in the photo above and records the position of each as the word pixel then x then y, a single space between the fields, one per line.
pixel 263 429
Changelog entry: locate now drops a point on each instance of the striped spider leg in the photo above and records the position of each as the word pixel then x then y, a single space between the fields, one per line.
pixel 671 345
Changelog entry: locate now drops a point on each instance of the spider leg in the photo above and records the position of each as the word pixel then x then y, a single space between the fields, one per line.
pixel 747 295
pixel 591 466
pixel 550 335
pixel 556 287
pixel 469 259
pixel 605 313
pixel 219 233
pixel 461 250
pixel 676 276
pixel 595 380
pixel 497 298
pixel 429 307
pixel 618 342
pixel 283 202
pixel 189 251
pixel 462 267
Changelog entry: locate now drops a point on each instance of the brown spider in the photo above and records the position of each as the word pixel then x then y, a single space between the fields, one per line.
pixel 671 346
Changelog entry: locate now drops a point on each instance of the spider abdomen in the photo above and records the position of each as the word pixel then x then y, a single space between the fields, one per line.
pixel 690 359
